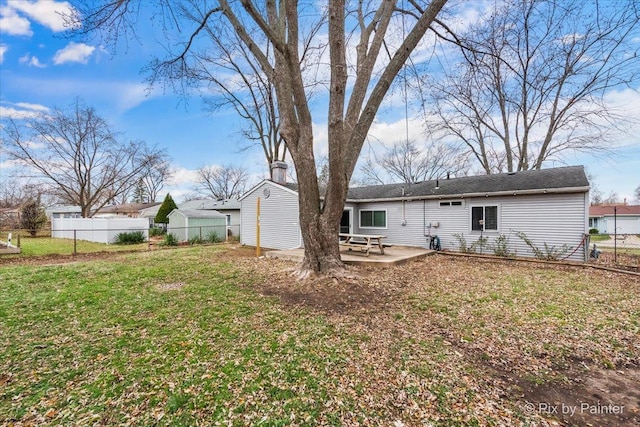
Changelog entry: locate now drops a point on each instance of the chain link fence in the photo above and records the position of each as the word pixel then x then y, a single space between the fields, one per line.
pixel 70 241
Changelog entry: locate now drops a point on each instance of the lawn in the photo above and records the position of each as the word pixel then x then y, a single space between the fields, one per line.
pixel 208 335
pixel 39 246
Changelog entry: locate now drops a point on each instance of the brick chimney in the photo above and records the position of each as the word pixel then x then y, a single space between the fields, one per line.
pixel 279 172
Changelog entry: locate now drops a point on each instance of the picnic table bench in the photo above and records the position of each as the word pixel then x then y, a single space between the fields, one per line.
pixel 362 242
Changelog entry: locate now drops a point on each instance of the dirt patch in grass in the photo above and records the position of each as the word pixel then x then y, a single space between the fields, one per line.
pixel 595 397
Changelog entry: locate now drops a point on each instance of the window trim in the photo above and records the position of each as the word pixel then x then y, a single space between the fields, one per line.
pixel 497 206
pixel 450 203
pixel 386 219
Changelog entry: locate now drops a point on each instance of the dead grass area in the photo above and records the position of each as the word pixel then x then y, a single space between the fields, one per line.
pixel 528 343
pixel 622 261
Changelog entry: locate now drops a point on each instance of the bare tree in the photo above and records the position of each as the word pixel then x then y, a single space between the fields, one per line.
pixel 246 89
pixel 154 176
pixel 406 162
pixel 355 90
pixel 78 156
pixel 532 77
pixel 222 182
pixel 637 193
pixel 13 192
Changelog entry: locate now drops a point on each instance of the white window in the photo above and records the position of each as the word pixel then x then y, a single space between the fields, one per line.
pixel 228 220
pixel 484 218
pixel 373 219
pixel 451 203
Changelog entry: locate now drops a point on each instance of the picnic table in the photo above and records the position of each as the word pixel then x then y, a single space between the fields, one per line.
pixel 362 242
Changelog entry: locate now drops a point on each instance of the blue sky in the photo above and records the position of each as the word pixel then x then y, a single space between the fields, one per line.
pixel 40 69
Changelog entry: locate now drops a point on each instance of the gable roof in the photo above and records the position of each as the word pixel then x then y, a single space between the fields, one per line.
pixel 197 213
pixel 127 208
pixel 568 179
pixel 210 204
pixel 608 210
pixel 555 180
pixel 290 188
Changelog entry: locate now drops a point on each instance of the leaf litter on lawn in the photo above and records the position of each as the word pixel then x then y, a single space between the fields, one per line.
pixel 467 340
pixel 443 341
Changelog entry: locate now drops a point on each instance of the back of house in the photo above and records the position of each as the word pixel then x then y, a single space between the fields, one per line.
pixel 516 213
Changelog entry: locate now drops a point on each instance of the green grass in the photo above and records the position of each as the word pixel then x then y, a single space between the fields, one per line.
pixel 50 246
pixel 599 237
pixel 150 341
pixel 186 337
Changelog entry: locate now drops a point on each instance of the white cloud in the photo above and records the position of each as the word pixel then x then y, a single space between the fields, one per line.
pixel 182 177
pixel 12 113
pixel 24 110
pixel 3 49
pixel 47 12
pixel 32 61
pixel 29 106
pixel 35 62
pixel 14 24
pixel 73 52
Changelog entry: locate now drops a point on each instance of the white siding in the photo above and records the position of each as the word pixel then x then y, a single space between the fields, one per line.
pixel 412 233
pixel 279 226
pixel 101 230
pixel 554 219
pixel 623 225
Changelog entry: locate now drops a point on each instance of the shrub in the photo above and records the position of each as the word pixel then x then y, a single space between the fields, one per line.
pixel 196 240
pixel 156 231
pixel 32 217
pixel 214 238
pixel 501 247
pixel 130 238
pixel 165 209
pixel 550 253
pixel 170 240
pixel 594 231
pixel 473 248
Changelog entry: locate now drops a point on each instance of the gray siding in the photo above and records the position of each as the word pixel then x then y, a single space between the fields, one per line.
pixel 279 226
pixel 554 219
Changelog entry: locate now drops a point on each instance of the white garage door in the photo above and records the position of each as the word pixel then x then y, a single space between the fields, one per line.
pixel 624 226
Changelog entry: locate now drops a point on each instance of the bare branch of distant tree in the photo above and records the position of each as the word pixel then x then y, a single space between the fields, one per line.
pixel 222 182
pixel 77 155
pixel 406 161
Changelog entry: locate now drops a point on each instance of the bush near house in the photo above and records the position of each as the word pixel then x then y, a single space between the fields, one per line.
pixel 162 217
pixel 130 238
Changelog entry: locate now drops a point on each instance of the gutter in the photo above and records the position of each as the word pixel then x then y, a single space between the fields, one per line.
pixel 563 190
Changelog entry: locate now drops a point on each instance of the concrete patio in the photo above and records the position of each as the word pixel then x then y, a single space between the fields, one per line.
pixel 394 255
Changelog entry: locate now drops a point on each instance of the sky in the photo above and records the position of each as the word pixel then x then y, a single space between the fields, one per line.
pixel 41 69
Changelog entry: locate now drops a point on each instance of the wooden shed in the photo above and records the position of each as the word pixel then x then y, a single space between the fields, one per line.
pixel 186 225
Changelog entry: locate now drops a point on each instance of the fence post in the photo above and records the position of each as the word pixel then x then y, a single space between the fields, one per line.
pixel 201 233
pixel 75 252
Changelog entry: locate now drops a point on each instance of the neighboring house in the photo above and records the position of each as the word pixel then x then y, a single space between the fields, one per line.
pixel 63 211
pixel 230 208
pixel 615 219
pixel 189 224
pixel 150 213
pixel 550 206
pixel 130 210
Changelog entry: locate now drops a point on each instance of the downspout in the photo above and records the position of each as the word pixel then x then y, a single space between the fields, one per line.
pixel 404 218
